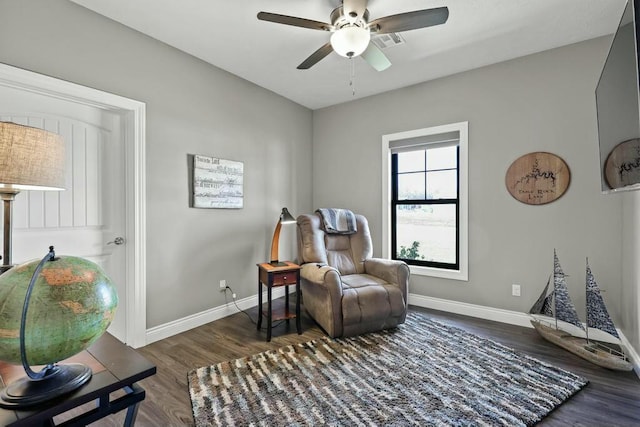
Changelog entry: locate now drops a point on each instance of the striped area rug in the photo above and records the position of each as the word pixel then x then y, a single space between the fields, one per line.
pixel 422 373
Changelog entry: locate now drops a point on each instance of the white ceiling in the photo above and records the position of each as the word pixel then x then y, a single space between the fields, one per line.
pixel 228 35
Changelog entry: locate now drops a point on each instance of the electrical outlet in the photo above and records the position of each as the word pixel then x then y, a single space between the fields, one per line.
pixel 223 285
pixel 515 290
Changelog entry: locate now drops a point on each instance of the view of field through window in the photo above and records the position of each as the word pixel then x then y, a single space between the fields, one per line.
pixel 426 205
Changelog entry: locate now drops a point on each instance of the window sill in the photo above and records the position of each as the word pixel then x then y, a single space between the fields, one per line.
pixel 439 272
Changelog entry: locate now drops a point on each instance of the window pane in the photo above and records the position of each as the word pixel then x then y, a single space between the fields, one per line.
pixel 426 232
pixel 412 161
pixel 442 185
pixel 442 158
pixel 411 186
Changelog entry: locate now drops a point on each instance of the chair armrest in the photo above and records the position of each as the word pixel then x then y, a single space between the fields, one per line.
pixel 322 295
pixel 317 273
pixel 324 276
pixel 393 271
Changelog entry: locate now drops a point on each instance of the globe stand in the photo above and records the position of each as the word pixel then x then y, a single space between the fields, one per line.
pixel 62 379
pixel 53 380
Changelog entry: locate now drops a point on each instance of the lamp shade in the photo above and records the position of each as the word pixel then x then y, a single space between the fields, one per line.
pixel 350 41
pixel 286 217
pixel 30 159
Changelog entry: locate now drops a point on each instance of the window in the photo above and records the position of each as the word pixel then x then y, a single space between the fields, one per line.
pixel 424 206
pixel 425 200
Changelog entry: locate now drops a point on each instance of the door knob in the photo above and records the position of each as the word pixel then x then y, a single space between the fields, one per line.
pixel 117 241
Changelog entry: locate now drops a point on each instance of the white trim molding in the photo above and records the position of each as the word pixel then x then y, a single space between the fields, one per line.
pixel 133 114
pixel 462 129
pixel 175 327
pixel 178 326
pixel 631 352
pixel 472 310
pixel 502 316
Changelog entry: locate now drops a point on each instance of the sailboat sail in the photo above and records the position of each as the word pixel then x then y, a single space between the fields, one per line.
pixel 564 308
pixel 597 314
pixel 544 303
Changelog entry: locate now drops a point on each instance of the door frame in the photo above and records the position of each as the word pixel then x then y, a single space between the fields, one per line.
pixel 133 115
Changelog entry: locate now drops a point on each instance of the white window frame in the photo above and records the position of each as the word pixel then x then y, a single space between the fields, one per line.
pixel 463 130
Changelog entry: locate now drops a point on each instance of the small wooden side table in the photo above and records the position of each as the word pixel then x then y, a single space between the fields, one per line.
pixel 115 367
pixel 274 276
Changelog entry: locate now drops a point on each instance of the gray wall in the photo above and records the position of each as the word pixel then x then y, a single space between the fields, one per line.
pixel 192 108
pixel 542 102
pixel 631 268
pixel 536 103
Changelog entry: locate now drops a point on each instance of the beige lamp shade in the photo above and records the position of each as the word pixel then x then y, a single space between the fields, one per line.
pixel 30 159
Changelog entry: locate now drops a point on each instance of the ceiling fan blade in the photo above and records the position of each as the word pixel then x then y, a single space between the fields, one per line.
pixel 410 20
pixel 376 58
pixel 315 57
pixel 354 8
pixel 294 21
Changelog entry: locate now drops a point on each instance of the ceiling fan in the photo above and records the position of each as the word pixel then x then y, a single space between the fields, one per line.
pixel 352 30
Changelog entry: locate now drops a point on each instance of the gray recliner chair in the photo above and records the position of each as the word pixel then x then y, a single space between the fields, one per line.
pixel 344 289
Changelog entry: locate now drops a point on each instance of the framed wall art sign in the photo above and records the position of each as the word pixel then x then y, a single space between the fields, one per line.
pixel 217 183
pixel 538 178
pixel 622 167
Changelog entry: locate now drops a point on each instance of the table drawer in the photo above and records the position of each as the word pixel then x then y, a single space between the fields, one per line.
pixel 290 278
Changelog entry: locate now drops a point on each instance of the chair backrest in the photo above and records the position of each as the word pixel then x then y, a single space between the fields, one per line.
pixel 345 252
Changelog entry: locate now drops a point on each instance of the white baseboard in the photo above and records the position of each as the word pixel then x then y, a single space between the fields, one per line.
pixel 488 313
pixel 175 327
pixel 473 310
pixel 503 316
pixel 631 352
pixel 186 323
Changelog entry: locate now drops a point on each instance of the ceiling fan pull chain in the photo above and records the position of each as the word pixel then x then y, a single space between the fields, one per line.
pixel 352 81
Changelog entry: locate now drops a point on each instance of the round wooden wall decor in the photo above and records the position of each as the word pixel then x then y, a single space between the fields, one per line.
pixel 622 167
pixel 538 178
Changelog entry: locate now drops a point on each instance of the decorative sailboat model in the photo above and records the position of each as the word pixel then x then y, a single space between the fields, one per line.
pixel 556 306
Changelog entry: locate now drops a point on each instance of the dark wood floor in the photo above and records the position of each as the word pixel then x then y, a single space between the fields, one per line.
pixel 610 399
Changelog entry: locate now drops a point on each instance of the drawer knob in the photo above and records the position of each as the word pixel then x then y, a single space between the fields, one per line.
pixel 284 277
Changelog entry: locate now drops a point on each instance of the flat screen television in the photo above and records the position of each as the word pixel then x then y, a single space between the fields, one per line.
pixel 617 107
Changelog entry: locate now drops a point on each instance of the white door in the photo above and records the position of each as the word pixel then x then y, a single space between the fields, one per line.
pixel 88 218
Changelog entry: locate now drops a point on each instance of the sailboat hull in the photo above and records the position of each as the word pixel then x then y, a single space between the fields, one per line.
pixel 579 347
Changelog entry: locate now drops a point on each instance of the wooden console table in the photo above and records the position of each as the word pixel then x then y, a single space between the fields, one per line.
pixel 115 367
pixel 274 276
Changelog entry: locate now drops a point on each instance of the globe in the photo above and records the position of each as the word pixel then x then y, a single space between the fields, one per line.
pixel 72 304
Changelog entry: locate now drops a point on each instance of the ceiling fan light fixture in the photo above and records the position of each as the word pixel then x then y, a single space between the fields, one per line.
pixel 350 41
